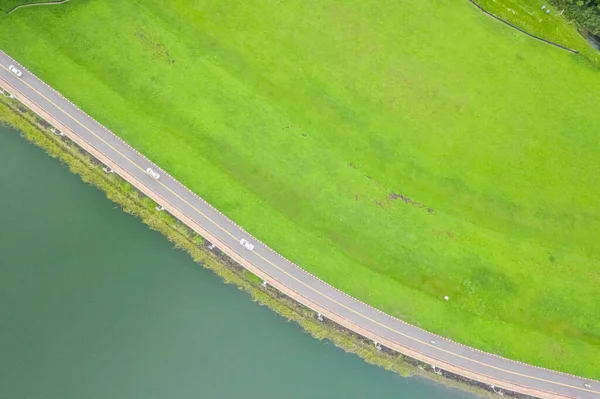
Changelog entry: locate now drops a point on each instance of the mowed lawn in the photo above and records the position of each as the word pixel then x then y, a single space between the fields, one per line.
pixel 530 16
pixel 6 5
pixel 402 151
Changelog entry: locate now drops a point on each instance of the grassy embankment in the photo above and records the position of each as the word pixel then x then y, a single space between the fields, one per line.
pixel 8 5
pixel 529 15
pixel 397 162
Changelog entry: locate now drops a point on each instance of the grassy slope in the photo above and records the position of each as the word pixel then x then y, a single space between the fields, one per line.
pixel 529 15
pixel 298 121
pixel 6 5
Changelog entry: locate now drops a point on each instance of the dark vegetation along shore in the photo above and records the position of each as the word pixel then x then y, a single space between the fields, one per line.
pixel 37 131
pixel 585 13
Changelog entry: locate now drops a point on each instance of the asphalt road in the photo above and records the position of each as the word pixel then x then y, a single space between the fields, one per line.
pixel 292 276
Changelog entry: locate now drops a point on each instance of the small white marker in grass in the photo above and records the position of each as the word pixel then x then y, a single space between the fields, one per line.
pixel 446 297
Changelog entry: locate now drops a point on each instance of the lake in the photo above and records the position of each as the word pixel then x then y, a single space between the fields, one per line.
pixel 94 305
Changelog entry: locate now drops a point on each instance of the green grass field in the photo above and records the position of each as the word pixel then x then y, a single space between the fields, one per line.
pixel 6 5
pixel 529 15
pixel 402 151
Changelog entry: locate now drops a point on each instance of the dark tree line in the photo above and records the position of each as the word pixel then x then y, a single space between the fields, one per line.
pixel 585 13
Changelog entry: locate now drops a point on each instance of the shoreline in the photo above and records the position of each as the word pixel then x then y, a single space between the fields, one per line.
pixel 132 201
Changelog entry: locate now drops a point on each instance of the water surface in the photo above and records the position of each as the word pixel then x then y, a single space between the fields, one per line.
pixel 94 305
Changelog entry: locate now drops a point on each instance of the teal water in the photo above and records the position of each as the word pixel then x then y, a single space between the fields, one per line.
pixel 94 305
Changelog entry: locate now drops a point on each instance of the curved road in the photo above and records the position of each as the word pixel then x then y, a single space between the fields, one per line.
pixel 279 272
